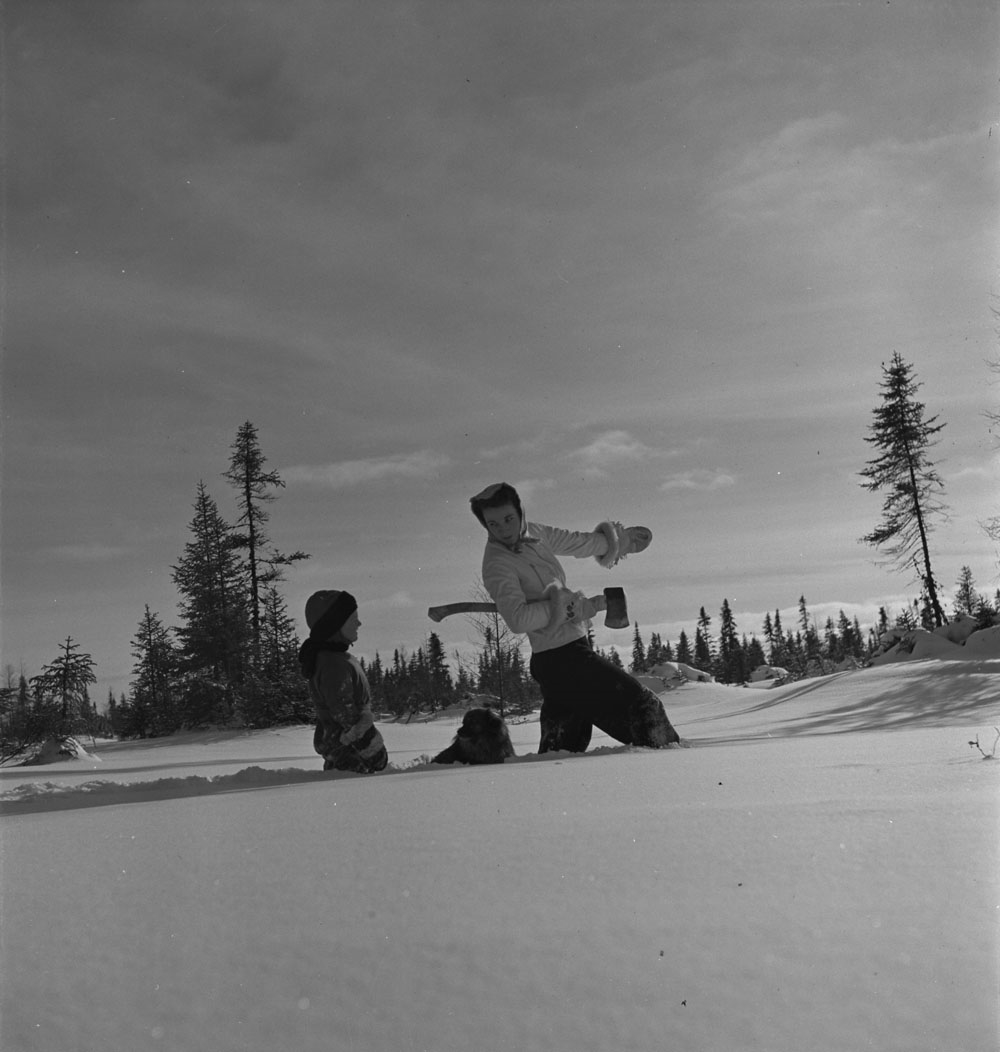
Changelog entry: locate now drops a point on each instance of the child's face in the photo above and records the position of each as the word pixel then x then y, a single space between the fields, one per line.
pixel 349 629
pixel 504 523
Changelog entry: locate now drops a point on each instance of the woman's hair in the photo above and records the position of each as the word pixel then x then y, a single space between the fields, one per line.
pixel 495 496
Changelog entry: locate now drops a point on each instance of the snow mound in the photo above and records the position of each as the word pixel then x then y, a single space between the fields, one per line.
pixel 766 672
pixel 917 644
pixel 668 675
pixel 959 630
pixel 59 750
pixel 983 644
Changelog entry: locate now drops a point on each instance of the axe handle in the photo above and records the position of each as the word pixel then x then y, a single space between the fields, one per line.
pixel 439 613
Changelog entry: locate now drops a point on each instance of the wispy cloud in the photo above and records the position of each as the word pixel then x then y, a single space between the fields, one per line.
pixel 777 173
pixel 420 464
pixel 698 479
pixel 612 449
pixel 520 448
pixel 816 173
pixel 978 472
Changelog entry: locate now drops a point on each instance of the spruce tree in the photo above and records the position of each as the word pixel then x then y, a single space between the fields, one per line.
pixel 904 472
pixel 728 665
pixel 438 671
pixel 966 599
pixel 703 658
pixel 61 691
pixel 768 630
pixel 684 656
pixel 213 638
pixel 704 647
pixel 638 665
pixel 753 655
pixel 778 656
pixel 154 704
pixel 254 488
pixel 810 637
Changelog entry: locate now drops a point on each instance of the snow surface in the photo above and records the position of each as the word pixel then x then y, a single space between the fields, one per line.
pixel 819 871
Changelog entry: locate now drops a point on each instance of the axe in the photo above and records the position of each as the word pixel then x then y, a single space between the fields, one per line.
pixel 612 601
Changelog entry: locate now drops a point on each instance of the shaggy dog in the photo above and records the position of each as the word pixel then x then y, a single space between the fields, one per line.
pixel 482 738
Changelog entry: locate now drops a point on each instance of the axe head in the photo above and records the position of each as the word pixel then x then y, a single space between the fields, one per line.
pixel 617 610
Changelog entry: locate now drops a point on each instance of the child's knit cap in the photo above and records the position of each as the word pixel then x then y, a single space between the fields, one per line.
pixel 327 611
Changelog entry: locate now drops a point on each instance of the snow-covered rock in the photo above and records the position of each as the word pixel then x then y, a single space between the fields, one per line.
pixel 917 644
pixel 678 672
pixel 957 631
pixel 983 644
pixel 59 750
pixel 763 672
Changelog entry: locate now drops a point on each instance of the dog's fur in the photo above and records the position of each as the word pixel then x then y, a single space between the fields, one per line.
pixel 482 738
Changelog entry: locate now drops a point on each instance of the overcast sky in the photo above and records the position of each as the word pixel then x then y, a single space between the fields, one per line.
pixel 643 259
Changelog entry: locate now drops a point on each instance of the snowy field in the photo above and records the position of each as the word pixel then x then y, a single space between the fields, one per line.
pixel 818 872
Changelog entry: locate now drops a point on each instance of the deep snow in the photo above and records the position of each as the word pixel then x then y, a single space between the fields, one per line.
pixel 819 871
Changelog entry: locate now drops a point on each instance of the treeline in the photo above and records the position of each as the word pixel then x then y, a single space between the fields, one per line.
pixel 426 682
pixel 810 649
pixel 731 657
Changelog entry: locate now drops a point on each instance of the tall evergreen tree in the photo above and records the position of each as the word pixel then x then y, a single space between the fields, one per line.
pixel 684 656
pixel 254 487
pixel 638 665
pixel 213 638
pixel 729 663
pixel 438 672
pixel 61 687
pixel 753 655
pixel 704 648
pixel 768 630
pixel 703 657
pixel 465 683
pixel 905 473
pixel 779 655
pixel 810 637
pixel 279 643
pixel 154 706
pixel 966 599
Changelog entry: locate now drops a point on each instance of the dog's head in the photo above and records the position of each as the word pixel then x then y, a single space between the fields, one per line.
pixel 481 723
